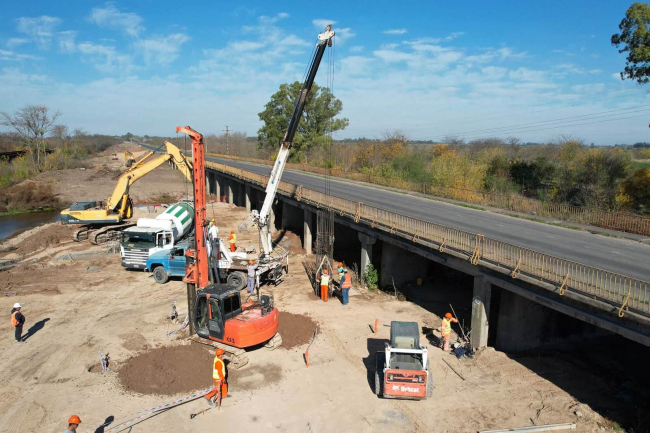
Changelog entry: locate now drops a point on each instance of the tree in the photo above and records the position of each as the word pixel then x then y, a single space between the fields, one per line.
pixel 318 119
pixel 635 40
pixel 638 188
pixel 32 123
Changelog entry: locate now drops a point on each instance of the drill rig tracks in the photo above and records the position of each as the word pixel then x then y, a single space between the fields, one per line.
pixel 238 357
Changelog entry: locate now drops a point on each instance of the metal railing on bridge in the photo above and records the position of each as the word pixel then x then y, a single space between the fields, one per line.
pixel 613 220
pixel 619 290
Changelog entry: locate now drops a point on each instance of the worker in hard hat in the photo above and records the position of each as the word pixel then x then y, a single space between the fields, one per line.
pixel 233 241
pixel 341 270
pixel 345 285
pixel 445 328
pixel 213 231
pixel 252 270
pixel 17 321
pixel 220 389
pixel 324 285
pixel 73 423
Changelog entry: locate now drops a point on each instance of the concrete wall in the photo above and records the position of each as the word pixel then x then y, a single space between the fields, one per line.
pixel 400 265
pixel 526 325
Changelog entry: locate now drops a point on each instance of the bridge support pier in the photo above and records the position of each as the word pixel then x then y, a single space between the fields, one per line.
pixel 366 251
pixel 231 196
pixel 247 198
pixel 480 312
pixel 307 228
pixel 217 186
pixel 208 191
pixel 271 219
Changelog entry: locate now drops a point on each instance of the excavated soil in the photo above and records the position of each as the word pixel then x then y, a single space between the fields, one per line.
pixel 53 234
pixel 295 329
pixel 289 241
pixel 168 370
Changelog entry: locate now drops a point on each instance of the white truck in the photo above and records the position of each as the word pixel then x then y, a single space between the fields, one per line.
pixel 151 235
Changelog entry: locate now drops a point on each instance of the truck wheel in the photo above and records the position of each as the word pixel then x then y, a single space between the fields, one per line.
pixel 160 275
pixel 237 280
pixel 429 385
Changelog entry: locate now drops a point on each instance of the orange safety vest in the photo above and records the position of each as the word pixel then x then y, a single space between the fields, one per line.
pixel 446 326
pixel 347 281
pixel 232 239
pixel 219 370
pixel 14 321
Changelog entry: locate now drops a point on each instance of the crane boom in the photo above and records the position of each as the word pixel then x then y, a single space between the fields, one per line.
pixel 283 155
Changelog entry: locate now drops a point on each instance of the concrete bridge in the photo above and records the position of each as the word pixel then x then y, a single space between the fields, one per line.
pixel 519 298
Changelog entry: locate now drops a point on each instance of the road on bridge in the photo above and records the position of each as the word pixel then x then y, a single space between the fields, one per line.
pixel 612 254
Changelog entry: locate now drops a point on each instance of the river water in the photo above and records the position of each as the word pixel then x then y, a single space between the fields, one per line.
pixel 11 224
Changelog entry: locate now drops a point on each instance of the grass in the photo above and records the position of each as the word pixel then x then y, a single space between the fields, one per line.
pixel 636 165
pixel 470 206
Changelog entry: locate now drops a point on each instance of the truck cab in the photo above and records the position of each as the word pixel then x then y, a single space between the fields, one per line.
pixel 139 243
pixel 168 263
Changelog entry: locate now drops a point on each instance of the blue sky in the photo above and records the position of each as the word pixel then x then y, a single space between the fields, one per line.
pixel 532 70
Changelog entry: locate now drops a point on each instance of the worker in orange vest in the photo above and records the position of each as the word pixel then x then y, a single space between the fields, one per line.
pixel 220 389
pixel 73 423
pixel 17 321
pixel 445 328
pixel 346 284
pixel 324 285
pixel 232 240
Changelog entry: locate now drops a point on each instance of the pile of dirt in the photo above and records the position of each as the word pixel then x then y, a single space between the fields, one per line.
pixel 295 329
pixel 49 235
pixel 168 370
pixel 105 173
pixel 289 241
pixel 28 195
pixel 34 278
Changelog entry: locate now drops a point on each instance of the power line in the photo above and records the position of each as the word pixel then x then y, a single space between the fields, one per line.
pixel 227 140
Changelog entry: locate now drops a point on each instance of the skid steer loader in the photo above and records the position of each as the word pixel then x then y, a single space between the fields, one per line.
pixel 402 369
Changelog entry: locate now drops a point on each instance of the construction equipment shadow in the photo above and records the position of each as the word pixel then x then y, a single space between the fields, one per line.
pixel 373 345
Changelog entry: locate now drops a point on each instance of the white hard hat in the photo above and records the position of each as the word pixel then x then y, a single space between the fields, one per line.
pixel 17 305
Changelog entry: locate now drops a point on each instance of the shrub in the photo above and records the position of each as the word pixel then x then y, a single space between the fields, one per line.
pixel 371 277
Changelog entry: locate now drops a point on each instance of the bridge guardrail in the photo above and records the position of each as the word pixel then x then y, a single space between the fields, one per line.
pixel 622 291
pixel 614 220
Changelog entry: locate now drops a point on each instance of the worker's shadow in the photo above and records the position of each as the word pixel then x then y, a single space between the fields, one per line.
pixel 35 328
pixel 433 339
pixel 108 421
pixel 374 345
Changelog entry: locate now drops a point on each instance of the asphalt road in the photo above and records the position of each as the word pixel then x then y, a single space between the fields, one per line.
pixel 623 256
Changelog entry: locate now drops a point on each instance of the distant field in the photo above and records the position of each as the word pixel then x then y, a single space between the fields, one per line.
pixel 640 164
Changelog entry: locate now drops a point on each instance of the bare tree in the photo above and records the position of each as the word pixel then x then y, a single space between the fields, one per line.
pixel 32 123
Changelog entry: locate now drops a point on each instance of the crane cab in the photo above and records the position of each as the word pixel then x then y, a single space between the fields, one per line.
pixel 220 316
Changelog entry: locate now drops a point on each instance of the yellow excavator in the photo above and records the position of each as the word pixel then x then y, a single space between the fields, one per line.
pixel 102 221
pixel 128 158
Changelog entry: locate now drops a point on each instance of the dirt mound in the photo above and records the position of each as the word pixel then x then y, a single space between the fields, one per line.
pixel 105 173
pixel 51 234
pixel 289 241
pixel 168 370
pixel 28 195
pixel 295 329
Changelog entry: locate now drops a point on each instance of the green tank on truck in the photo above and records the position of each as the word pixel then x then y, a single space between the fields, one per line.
pixel 151 235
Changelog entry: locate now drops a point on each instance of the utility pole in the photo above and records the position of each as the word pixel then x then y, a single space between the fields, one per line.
pixel 227 137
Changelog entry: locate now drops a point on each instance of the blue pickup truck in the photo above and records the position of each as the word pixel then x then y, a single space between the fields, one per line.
pixel 168 263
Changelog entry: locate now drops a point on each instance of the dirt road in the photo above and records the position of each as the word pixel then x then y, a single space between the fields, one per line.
pixel 78 299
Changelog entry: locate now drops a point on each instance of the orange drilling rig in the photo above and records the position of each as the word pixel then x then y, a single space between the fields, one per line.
pixel 217 314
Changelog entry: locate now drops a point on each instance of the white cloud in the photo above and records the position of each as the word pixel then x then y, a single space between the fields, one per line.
pixel 395 31
pixel 321 23
pixel 11 56
pixel 564 52
pixel 526 74
pixel 356 49
pixel 272 20
pixel 110 17
pixel 162 49
pixel 39 29
pixel 342 35
pixel 617 76
pixel 67 41
pixel 14 42
pixel 454 35
pixel 105 58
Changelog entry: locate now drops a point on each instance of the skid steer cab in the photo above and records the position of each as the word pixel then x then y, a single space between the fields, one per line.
pixel 219 315
pixel 402 369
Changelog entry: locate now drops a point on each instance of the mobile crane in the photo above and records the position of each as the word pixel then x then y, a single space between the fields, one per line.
pixel 216 312
pixel 98 220
pixel 262 219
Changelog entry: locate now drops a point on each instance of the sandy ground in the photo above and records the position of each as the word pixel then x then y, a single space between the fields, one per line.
pixel 80 303
pixel 98 180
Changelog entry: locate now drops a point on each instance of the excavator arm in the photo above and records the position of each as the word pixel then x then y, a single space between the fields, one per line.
pixel 118 201
pixel 283 155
